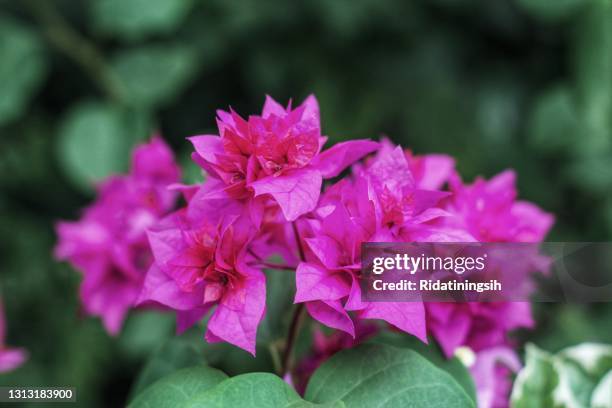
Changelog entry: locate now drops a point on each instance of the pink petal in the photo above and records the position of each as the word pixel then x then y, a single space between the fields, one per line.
pixel 160 288
pixel 332 314
pixel 166 244
pixel 332 161
pixel 452 330
pixel 534 223
pixel 316 283
pixel 436 170
pixel 271 107
pixel 155 160
pixel 207 146
pixel 296 193
pixel 326 249
pixel 238 314
pixel 11 358
pixel 311 111
pixel 518 314
pixel 406 316
pixel 187 318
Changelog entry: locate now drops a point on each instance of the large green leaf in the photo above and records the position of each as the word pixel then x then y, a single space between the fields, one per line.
pixel 177 388
pixel 536 381
pixel 22 67
pixel 260 390
pixel 594 358
pixel 384 376
pixel 154 75
pixel 95 140
pixel 570 378
pixel 432 353
pixel 175 354
pixel 134 19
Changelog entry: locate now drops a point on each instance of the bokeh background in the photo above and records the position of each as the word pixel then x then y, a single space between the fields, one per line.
pixel 525 84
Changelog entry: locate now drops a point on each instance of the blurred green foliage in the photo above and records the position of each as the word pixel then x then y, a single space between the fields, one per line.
pixel 524 84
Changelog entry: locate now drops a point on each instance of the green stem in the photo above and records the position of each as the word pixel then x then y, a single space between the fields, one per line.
pixel 296 324
pixel 298 315
pixel 78 48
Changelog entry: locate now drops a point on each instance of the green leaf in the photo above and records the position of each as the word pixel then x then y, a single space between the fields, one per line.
pixel 22 67
pixel 580 368
pixel 95 140
pixel 384 376
pixel 175 354
pixel 594 358
pixel 535 382
pixel 154 75
pixel 569 378
pixel 551 10
pixel 248 390
pixel 135 19
pixel 602 395
pixel 432 353
pixel 177 388
pixel 575 386
pixel 554 124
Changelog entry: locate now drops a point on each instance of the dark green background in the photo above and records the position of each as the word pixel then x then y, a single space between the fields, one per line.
pixel 524 84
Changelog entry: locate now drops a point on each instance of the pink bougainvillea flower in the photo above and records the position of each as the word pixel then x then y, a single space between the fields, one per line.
pixel 491 372
pixel 201 261
pixel 380 203
pixel 488 211
pixel 10 357
pixel 276 156
pixel 406 205
pixel 476 325
pixel 109 244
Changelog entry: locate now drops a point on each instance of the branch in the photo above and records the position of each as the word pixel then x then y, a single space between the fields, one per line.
pixel 78 48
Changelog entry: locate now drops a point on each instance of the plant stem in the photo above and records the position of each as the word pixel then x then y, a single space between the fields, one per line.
pixel 70 42
pixel 298 242
pixel 296 323
pixel 298 315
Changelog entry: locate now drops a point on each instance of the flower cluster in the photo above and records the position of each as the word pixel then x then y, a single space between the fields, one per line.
pixel 109 243
pixel 264 195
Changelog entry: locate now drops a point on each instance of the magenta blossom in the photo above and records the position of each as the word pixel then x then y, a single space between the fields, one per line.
pixel 380 203
pixel 201 261
pixel 476 325
pixel 491 372
pixel 275 157
pixel 10 357
pixel 109 244
pixel 406 204
pixel 488 211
